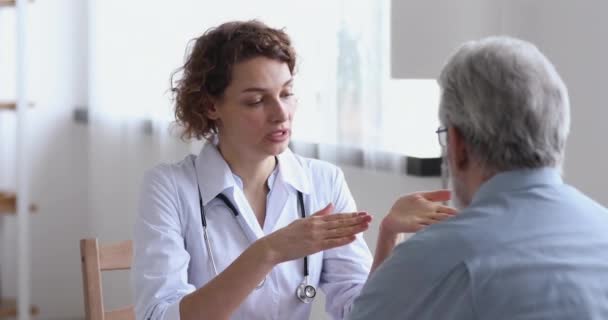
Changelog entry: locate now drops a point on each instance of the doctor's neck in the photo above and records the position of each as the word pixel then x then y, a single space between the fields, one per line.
pixel 253 171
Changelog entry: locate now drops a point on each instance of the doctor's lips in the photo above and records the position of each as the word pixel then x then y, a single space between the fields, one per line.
pixel 279 135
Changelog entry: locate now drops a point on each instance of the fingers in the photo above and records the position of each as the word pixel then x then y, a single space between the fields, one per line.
pixel 439 216
pixel 343 224
pixel 345 231
pixel 327 216
pixel 437 196
pixel 338 216
pixel 345 219
pixel 337 242
pixel 339 225
pixel 447 210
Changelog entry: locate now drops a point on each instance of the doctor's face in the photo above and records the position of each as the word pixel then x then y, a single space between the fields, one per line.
pixel 256 111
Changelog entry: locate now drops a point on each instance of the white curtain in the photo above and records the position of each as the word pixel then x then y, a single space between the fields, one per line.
pixel 134 47
pixel 360 115
pixel 350 110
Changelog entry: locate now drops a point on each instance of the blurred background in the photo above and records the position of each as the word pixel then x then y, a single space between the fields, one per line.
pixel 94 76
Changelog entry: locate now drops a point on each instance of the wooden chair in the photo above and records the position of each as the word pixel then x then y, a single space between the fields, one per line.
pixel 95 259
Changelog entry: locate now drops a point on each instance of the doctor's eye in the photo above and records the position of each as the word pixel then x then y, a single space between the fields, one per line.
pixel 254 101
pixel 288 97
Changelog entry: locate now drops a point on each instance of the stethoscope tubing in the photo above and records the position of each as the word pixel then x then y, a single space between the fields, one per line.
pixel 304 291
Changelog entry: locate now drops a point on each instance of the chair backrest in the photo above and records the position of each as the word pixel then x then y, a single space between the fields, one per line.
pixel 95 259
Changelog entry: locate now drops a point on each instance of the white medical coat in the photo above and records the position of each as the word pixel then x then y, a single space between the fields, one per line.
pixel 171 260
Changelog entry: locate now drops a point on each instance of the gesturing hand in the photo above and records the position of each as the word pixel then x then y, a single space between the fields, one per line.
pixel 321 231
pixel 415 211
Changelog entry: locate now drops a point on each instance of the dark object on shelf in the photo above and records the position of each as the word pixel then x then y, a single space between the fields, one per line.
pixel 424 167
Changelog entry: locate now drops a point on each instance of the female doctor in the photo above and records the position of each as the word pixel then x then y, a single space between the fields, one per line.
pixel 247 229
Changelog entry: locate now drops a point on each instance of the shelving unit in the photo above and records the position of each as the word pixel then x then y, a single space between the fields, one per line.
pixel 12 106
pixel 9 3
pixel 8 309
pixel 8 106
pixel 10 202
pixel 8 306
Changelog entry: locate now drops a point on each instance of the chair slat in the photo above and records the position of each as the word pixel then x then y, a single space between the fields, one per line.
pixel 116 256
pixel 96 258
pixel 127 313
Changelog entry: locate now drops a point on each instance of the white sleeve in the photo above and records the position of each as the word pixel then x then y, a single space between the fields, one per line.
pixel 160 262
pixel 345 269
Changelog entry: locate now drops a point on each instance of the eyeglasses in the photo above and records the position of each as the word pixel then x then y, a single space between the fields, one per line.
pixel 442 136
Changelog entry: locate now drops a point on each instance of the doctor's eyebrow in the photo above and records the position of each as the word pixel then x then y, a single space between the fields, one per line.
pixel 257 89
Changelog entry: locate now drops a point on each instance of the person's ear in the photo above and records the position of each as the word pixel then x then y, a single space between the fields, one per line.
pixel 457 149
pixel 212 110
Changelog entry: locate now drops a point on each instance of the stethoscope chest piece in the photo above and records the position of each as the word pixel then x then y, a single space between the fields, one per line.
pixel 305 292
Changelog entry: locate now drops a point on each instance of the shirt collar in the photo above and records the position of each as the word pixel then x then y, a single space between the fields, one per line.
pixel 215 176
pixel 292 172
pixel 270 182
pixel 518 179
pixel 213 173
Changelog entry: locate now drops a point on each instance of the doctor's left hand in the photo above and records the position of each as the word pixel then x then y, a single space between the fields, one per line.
pixel 410 213
pixel 415 211
pixel 321 231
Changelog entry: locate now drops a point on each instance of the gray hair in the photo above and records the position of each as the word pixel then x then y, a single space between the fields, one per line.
pixel 509 103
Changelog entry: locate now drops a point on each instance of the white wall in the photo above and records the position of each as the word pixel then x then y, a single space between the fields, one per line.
pixel 574 36
pixel 424 32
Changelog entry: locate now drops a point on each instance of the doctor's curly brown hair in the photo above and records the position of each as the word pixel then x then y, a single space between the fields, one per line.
pixel 208 69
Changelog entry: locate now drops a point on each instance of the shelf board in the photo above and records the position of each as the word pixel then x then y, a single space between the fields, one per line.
pixel 9 105
pixel 8 203
pixel 9 3
pixel 8 308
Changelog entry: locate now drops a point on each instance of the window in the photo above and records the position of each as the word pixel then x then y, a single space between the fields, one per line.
pixel 347 100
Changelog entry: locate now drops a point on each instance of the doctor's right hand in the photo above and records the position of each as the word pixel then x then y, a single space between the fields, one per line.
pixel 321 231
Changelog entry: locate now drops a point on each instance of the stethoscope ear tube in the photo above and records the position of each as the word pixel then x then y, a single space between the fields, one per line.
pixel 305 292
pixel 209 253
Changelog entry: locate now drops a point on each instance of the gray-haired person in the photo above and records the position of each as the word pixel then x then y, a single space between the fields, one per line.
pixel 525 244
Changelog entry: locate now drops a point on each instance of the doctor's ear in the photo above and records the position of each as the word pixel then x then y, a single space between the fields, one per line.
pixel 211 111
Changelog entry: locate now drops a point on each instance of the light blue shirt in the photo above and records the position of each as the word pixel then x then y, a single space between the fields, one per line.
pixel 528 247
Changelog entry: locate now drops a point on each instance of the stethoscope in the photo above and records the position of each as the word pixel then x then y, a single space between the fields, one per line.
pixel 305 291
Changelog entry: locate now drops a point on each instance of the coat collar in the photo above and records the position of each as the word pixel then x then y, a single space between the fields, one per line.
pixel 214 175
pixel 293 172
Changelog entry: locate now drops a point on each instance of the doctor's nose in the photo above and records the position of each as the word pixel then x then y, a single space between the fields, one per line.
pixel 280 111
